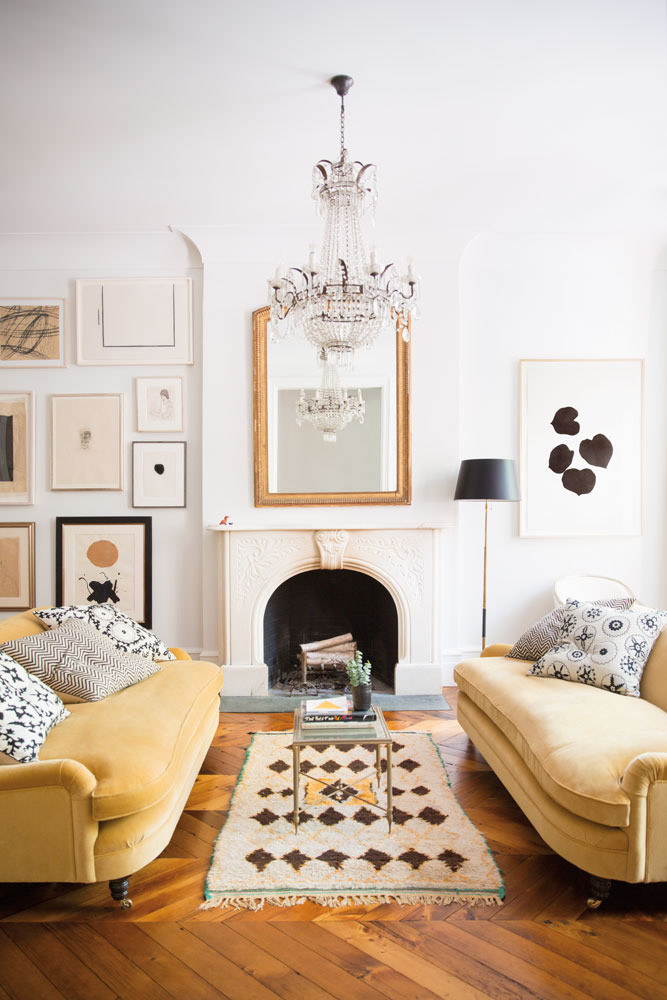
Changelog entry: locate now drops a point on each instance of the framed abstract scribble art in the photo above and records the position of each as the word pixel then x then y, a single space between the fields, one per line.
pixel 32 333
pixel 582 429
pixel 87 442
pixel 17 566
pixel 105 560
pixel 17 448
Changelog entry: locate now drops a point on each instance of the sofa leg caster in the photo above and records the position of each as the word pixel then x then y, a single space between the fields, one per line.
pixel 600 891
pixel 118 888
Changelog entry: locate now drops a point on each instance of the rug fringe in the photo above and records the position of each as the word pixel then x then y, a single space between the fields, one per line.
pixel 355 899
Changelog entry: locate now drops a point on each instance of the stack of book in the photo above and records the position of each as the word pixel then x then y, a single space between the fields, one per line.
pixel 320 713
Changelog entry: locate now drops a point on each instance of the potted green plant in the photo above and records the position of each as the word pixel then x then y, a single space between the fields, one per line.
pixel 359 674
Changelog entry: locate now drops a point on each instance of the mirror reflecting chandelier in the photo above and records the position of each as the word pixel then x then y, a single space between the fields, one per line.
pixel 330 409
pixel 342 301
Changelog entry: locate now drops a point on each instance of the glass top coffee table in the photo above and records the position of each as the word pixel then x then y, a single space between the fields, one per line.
pixel 346 734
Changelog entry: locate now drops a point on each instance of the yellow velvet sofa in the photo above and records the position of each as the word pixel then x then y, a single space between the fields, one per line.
pixel 112 778
pixel 587 767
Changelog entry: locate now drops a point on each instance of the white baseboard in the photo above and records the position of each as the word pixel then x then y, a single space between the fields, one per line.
pixel 450 658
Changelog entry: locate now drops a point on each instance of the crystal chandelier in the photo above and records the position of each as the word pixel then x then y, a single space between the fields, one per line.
pixel 343 300
pixel 330 409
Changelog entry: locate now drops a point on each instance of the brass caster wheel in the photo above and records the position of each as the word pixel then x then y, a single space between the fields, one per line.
pixel 593 903
pixel 126 904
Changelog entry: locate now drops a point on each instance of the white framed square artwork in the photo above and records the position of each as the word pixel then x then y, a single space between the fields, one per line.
pixel 582 462
pixel 17 447
pixel 159 404
pixel 158 473
pixel 134 321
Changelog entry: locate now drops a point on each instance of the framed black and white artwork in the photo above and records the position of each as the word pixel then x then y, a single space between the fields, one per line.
pixel 158 474
pixel 582 463
pixel 134 321
pixel 160 404
pixel 32 333
pixel 105 560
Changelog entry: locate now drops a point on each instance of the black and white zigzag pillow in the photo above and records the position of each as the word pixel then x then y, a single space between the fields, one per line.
pixel 126 634
pixel 541 636
pixel 76 660
pixel 28 710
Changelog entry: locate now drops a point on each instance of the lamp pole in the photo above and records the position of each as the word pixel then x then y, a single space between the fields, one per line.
pixel 486 522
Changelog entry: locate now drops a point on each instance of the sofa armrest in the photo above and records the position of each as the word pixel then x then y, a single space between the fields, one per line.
pixel 643 771
pixel 74 777
pixel 48 832
pixel 497 649
pixel 179 653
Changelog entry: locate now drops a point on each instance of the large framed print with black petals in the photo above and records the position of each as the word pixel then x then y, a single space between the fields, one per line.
pixel 582 447
pixel 105 560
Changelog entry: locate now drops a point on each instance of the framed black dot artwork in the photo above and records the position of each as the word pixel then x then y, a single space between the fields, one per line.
pixel 582 447
pixel 158 474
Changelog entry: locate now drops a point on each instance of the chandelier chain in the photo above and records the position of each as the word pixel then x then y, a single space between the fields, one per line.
pixel 342 126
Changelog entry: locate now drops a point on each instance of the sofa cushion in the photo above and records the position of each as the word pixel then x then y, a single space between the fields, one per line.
pixel 653 685
pixel 124 632
pixel 540 637
pixel 576 740
pixel 75 659
pixel 28 710
pixel 603 647
pixel 132 742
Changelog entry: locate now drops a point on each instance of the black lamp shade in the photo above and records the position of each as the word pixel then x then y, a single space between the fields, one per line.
pixel 487 479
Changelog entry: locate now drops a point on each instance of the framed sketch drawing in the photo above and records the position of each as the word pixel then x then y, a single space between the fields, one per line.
pixel 160 404
pixel 158 474
pixel 582 447
pixel 17 448
pixel 32 333
pixel 17 566
pixel 87 442
pixel 105 560
pixel 134 321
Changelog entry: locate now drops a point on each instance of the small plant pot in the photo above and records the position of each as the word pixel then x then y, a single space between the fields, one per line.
pixel 361 697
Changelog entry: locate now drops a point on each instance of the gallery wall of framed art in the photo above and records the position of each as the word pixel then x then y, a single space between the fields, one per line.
pixel 68 418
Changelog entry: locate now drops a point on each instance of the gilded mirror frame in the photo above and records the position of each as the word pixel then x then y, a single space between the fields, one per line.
pixel 263 497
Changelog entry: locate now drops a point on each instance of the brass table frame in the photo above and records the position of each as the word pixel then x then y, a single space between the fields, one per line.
pixel 344 735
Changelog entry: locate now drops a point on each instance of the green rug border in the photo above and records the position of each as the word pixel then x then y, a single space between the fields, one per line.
pixel 256 894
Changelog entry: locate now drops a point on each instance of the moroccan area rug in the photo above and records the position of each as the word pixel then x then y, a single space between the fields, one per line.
pixel 343 853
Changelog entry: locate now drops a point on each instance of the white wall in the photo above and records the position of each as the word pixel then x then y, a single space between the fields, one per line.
pixel 555 295
pixel 47 266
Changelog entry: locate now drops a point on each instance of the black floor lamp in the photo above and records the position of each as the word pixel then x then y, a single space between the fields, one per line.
pixel 486 479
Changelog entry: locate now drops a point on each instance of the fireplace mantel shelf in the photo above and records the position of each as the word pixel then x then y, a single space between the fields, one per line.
pixel 429 526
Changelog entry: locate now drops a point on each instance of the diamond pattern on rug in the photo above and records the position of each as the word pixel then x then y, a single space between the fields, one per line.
pixel 343 851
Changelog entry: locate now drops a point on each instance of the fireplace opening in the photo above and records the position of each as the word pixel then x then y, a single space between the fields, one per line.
pixel 320 604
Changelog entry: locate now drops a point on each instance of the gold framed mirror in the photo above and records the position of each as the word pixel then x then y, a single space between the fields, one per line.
pixel 367 462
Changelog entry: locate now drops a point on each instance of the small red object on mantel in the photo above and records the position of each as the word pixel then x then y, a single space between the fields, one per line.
pixel 225 521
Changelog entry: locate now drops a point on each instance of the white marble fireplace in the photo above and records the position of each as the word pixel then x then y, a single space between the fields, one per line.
pixel 253 562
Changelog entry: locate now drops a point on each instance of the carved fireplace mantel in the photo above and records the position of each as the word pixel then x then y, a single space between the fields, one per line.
pixel 253 562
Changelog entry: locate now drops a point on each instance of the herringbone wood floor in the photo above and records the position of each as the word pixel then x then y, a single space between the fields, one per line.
pixel 64 941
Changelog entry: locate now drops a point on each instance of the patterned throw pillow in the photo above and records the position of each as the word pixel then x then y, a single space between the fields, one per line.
pixel 28 709
pixel 544 634
pixel 75 659
pixel 602 646
pixel 126 634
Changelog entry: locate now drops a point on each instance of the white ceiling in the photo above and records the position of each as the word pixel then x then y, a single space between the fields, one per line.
pixel 134 114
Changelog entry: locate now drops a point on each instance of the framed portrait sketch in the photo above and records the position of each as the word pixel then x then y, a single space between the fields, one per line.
pixel 17 566
pixel 582 424
pixel 32 333
pixel 134 321
pixel 160 404
pixel 17 447
pixel 105 560
pixel 87 442
pixel 158 473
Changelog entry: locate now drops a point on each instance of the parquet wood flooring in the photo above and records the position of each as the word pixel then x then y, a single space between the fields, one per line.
pixel 71 942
